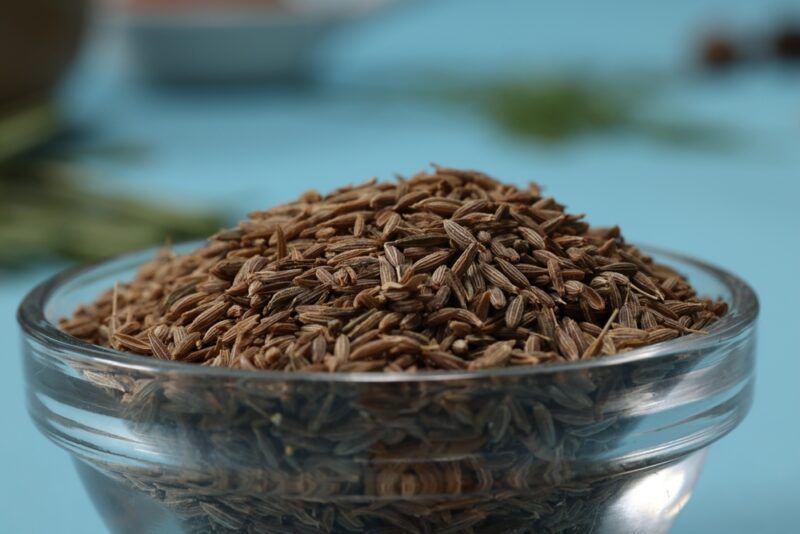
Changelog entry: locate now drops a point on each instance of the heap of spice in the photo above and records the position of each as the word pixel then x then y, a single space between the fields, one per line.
pixel 445 270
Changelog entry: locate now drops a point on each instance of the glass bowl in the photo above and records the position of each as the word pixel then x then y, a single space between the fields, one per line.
pixel 612 444
pixel 217 42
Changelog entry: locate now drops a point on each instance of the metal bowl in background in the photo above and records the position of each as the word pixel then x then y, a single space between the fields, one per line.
pixel 236 43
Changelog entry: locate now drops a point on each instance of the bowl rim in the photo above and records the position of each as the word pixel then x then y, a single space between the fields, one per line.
pixel 742 314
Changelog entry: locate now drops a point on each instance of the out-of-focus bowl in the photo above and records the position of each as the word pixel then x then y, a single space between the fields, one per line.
pixel 38 41
pixel 611 444
pixel 235 44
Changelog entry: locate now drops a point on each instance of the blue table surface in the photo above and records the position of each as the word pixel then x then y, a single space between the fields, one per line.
pixel 250 149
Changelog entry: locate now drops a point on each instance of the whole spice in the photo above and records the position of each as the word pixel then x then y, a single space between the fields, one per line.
pixel 447 270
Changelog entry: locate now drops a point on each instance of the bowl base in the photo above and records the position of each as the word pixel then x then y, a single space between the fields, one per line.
pixel 647 500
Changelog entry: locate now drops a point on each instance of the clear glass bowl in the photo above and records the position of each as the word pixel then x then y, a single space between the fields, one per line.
pixel 612 444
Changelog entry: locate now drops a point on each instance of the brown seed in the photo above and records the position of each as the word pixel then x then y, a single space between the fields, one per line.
pixel 280 241
pixel 186 345
pixel 532 344
pixel 446 314
pixel 131 343
pixel 387 273
pixel 594 348
pixel 227 269
pixel 372 348
pixel 444 360
pixel 441 206
pixel 544 423
pixel 209 316
pixel 470 207
pixel 626 318
pixel 557 281
pixel 514 311
pixel 408 199
pixel 533 237
pixel 182 305
pixel 495 355
pixel 566 345
pixel 497 298
pixel 318 349
pixel 158 348
pixel 465 260
pixel 513 274
pixel 342 348
pixel 358 225
pixel 495 277
pixel 645 282
pixel 480 305
pixel 452 260
pixel 440 299
pixel 593 298
pixel 622 267
pixel 458 234
pixel 394 255
pixel 547 323
pixel 339 296
pixel 392 222
pixel 431 261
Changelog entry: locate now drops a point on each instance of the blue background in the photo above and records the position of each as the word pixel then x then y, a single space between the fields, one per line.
pixel 251 148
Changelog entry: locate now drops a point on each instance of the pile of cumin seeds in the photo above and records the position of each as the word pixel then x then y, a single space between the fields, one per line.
pixel 446 270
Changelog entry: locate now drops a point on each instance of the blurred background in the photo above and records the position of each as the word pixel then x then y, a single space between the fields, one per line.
pixel 128 123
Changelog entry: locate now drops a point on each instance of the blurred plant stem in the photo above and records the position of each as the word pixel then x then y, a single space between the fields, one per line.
pixel 25 127
pixel 557 108
pixel 50 207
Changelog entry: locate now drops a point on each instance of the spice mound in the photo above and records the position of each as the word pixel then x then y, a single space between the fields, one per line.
pixel 445 270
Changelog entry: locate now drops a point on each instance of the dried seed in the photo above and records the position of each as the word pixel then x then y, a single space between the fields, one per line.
pixel 497 298
pixel 208 317
pixel 544 423
pixel 307 287
pixel 393 254
pixel 462 237
pixel 557 281
pixel 465 260
pixel 466 263
pixel 185 345
pixel 371 349
pixel 391 224
pixel 495 277
pixel 280 242
pixel 514 312
pixel 158 348
pixel 495 355
pixel 594 348
pixel 533 237
pixel 358 225
pixel 131 343
pixel 387 273
pixel 431 261
pixel 566 345
pixel 513 274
